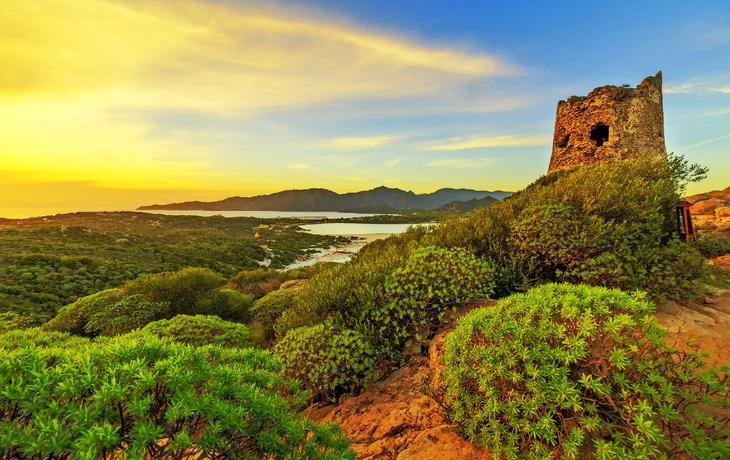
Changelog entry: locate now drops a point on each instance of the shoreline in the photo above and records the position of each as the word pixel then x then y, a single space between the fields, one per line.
pixel 340 252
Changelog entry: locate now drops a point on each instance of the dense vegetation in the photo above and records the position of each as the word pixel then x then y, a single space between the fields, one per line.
pixel 46 263
pixel 147 396
pixel 582 372
pixel 559 370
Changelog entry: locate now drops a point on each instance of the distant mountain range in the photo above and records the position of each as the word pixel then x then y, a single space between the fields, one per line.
pixel 377 200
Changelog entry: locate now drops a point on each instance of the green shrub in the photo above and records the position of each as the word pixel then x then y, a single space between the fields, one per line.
pixel 712 246
pixel 269 308
pixel 580 225
pixel 568 371
pixel 36 337
pixel 10 321
pixel 349 293
pixel 126 315
pixel 184 290
pixel 326 359
pixel 227 304
pixel 578 248
pixel 138 396
pixel 202 330
pixel 74 317
pixel 256 283
pixel 432 281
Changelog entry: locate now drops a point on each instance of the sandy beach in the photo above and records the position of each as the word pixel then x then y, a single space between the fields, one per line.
pixel 340 252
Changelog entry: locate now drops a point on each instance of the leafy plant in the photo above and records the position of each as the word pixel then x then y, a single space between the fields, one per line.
pixel 432 281
pixel 349 293
pixel 568 371
pixel 712 246
pixel 10 321
pixel 597 224
pixel 200 330
pixel 126 315
pixel 226 303
pixel 326 359
pixel 587 249
pixel 74 318
pixel 268 309
pixel 183 290
pixel 139 396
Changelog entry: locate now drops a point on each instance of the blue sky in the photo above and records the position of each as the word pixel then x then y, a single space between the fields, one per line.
pixel 111 104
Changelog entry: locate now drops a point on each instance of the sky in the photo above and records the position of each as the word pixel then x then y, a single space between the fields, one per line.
pixel 114 104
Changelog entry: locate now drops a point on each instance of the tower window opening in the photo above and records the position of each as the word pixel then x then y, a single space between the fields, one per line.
pixel 563 141
pixel 599 135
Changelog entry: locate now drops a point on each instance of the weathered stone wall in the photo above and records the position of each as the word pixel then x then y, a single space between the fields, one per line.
pixel 610 123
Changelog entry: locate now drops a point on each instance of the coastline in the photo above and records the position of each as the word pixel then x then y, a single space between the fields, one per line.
pixel 340 252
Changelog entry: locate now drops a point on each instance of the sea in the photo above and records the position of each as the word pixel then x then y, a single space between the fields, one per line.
pixel 329 228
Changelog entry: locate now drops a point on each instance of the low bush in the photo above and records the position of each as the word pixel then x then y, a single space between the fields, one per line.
pixel 202 330
pixel 138 396
pixel 73 318
pixel 126 315
pixel 600 224
pixel 577 248
pixel 326 359
pixel 256 283
pixel 349 293
pixel 268 309
pixel 568 371
pixel 10 321
pixel 432 281
pixel 36 337
pixel 712 246
pixel 228 304
pixel 184 290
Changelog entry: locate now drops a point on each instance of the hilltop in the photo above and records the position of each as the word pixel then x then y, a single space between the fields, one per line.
pixel 380 199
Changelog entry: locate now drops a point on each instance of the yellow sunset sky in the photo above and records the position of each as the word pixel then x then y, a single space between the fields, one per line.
pixel 109 105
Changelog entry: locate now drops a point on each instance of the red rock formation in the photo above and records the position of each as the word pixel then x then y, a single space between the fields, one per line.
pixel 711 211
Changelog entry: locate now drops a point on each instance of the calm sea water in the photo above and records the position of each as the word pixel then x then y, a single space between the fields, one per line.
pixel 264 214
pixel 24 213
pixel 329 228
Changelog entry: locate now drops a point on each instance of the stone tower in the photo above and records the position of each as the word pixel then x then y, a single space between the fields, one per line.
pixel 610 123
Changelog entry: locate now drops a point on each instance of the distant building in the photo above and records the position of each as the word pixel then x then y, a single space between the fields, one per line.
pixel 610 123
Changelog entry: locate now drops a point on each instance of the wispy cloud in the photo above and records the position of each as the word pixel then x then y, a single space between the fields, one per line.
pixel 704 142
pixel 490 142
pixel 394 161
pixel 470 163
pixel 223 59
pixel 360 142
pixel 709 33
pixel 699 85
pixel 302 166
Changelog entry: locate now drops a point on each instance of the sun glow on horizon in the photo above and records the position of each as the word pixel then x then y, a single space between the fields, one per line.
pixel 84 82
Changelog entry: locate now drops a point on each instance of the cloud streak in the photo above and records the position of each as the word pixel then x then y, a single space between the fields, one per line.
pixel 462 163
pixel 221 59
pixel 490 142
pixel 360 142
pixel 704 142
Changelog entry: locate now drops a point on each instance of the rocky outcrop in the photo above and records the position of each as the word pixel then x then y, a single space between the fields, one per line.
pixel 711 211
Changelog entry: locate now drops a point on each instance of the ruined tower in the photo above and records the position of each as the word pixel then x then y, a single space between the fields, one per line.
pixel 610 123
